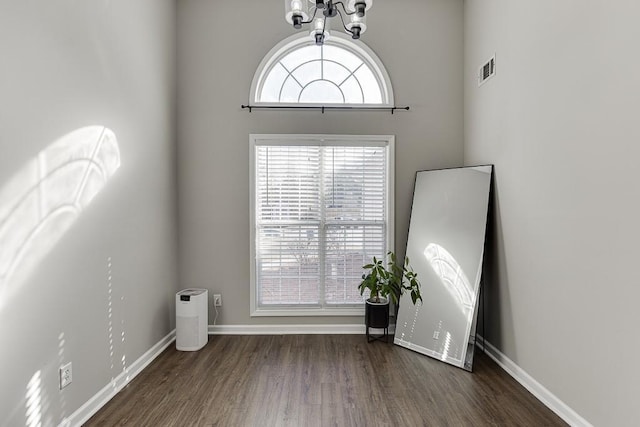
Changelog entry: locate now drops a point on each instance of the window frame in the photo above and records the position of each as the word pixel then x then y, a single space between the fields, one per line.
pixel 338 39
pixel 256 140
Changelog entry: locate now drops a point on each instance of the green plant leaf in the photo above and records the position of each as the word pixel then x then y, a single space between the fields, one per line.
pixel 388 279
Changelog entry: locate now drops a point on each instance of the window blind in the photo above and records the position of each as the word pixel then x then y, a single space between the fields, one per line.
pixel 320 215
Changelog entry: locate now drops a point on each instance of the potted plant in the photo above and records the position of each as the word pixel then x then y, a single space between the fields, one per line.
pixel 386 283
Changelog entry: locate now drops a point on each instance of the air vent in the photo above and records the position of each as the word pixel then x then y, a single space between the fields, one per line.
pixel 487 71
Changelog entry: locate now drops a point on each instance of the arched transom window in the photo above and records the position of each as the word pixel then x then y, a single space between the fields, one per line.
pixel 338 72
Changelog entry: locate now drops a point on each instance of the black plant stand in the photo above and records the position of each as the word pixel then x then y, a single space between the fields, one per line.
pixel 376 315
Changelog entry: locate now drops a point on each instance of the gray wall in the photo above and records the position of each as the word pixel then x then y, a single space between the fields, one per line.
pixel 220 45
pixel 66 65
pixel 563 137
pixel 560 122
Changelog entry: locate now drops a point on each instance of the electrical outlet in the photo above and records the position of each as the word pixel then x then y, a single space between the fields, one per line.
pixel 217 300
pixel 436 335
pixel 66 375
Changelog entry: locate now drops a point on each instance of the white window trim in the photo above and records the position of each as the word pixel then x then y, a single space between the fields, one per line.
pixel 313 139
pixel 300 39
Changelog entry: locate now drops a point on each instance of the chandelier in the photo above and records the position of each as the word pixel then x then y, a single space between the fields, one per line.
pixel 316 12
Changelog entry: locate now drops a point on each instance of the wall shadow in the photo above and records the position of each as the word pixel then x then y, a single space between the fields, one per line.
pixel 45 197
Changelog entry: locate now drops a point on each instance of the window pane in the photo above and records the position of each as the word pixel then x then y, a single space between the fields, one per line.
pixel 369 85
pixel 354 182
pixel 287 187
pixel 308 72
pixel 320 215
pixel 335 73
pixel 273 83
pixel 290 90
pixel 342 56
pixel 292 79
pixel 322 91
pixel 300 56
pixel 352 91
pixel 288 265
pixel 348 248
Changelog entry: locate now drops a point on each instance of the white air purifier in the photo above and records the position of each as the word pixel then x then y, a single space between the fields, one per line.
pixel 191 319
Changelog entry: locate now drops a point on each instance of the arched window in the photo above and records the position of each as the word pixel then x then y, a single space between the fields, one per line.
pixel 339 72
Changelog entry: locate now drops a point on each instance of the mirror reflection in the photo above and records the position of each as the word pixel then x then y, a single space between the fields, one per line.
pixel 445 246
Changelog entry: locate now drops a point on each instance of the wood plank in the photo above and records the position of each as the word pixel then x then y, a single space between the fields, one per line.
pixel 318 380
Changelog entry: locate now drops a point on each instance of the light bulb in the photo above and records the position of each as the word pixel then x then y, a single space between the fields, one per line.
pixel 296 12
pixel 359 7
pixel 357 26
pixel 297 21
pixel 355 32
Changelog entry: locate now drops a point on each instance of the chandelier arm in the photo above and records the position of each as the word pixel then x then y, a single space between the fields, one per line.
pixel 312 18
pixel 344 8
pixel 342 19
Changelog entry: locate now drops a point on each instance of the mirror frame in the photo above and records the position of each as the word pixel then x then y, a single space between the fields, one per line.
pixel 408 317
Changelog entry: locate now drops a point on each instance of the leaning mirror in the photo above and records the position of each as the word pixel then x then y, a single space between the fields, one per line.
pixel 445 247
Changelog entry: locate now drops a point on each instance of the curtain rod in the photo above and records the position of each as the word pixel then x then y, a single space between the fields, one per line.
pixel 320 107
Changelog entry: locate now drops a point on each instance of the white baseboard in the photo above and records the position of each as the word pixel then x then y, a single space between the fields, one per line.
pixel 549 399
pixel 86 411
pixel 350 329
pixel 284 329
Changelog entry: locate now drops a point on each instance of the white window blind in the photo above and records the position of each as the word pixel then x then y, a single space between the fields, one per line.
pixel 320 213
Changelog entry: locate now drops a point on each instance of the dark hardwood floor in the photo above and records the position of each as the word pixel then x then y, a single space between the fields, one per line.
pixel 318 380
